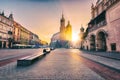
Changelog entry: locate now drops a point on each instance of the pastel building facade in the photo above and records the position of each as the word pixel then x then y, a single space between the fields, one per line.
pixel 6 27
pixel 104 27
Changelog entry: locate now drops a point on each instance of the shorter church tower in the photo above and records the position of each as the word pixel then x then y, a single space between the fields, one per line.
pixel 69 32
pixel 82 33
pixel 81 29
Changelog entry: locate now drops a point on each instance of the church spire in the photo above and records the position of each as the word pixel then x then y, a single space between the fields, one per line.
pixel 62 21
pixel 68 25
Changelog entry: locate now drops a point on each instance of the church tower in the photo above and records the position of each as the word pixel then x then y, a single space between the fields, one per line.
pixel 82 32
pixel 62 28
pixel 69 32
pixel 62 23
pixel 82 29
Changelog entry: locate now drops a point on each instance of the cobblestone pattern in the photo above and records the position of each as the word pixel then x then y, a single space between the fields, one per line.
pixel 60 64
pixel 106 61
pixel 106 72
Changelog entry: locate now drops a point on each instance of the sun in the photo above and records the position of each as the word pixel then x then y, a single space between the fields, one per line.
pixel 75 37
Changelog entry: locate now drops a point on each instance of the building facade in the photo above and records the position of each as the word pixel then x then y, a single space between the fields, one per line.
pixel 24 37
pixel 35 40
pixel 103 29
pixel 20 34
pixel 6 27
pixel 62 38
pixel 16 33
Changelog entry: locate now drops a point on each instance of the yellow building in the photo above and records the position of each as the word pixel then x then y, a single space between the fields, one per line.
pixel 24 36
pixel 20 34
pixel 16 32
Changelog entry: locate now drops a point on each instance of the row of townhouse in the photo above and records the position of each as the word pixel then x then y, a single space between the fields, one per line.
pixel 104 27
pixel 6 27
pixel 13 33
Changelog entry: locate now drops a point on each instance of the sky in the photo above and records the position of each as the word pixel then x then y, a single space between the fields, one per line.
pixel 42 17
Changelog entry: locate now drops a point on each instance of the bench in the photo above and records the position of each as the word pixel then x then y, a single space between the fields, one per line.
pixel 28 60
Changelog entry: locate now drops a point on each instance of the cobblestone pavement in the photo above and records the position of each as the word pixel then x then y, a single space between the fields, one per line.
pixel 107 68
pixel 106 61
pixel 60 64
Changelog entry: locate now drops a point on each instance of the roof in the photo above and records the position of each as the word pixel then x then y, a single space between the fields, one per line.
pixel 55 36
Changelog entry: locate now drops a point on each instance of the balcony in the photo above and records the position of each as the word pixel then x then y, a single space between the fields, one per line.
pixel 101 24
pixel 98 22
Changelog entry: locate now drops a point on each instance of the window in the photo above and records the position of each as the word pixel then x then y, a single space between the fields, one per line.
pixel 113 46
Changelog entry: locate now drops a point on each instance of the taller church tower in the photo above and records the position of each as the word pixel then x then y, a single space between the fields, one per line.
pixel 62 28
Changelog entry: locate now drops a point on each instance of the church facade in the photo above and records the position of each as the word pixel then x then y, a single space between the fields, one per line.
pixel 104 27
pixel 62 38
